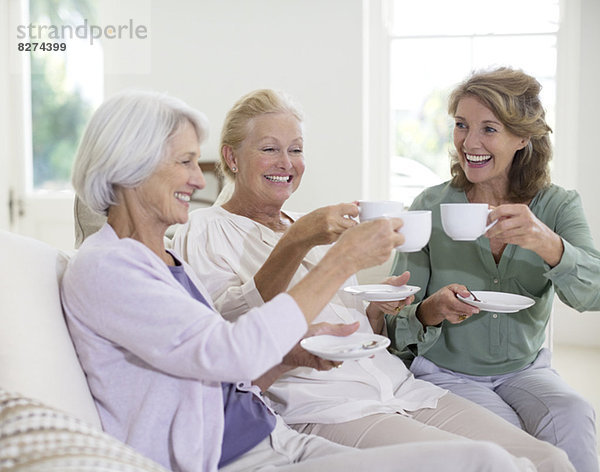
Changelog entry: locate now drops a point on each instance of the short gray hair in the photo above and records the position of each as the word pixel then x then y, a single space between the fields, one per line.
pixel 124 142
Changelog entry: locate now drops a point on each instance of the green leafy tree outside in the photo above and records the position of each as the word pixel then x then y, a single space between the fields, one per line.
pixel 58 118
pixel 59 113
pixel 427 136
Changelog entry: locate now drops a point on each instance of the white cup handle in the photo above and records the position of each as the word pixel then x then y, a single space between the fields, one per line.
pixel 491 224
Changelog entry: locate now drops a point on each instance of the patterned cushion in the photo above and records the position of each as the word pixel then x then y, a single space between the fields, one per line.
pixel 34 437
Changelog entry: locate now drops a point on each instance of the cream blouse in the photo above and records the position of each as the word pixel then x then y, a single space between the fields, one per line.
pixel 226 250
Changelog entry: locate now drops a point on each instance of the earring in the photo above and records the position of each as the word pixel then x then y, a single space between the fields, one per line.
pixel 234 169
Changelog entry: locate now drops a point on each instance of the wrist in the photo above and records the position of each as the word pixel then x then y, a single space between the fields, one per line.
pixel 376 319
pixel 269 377
pixel 283 368
pixel 373 312
pixel 555 252
pixel 340 262
pixel 298 240
pixel 425 315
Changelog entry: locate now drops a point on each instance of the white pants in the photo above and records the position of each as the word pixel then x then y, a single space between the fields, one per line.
pixel 454 419
pixel 287 450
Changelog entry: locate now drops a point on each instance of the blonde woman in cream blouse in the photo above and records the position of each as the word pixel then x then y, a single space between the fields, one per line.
pixel 248 250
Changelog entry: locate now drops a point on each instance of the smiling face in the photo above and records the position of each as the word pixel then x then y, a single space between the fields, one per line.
pixel 164 197
pixel 270 160
pixel 485 147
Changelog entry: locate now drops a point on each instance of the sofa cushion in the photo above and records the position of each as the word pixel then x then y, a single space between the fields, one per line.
pixel 34 437
pixel 87 221
pixel 37 357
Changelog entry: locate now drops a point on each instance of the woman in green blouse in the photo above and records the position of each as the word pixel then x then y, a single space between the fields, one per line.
pixel 541 245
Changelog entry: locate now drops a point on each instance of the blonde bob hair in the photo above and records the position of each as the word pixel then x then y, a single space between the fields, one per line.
pixel 124 142
pixel 236 125
pixel 513 97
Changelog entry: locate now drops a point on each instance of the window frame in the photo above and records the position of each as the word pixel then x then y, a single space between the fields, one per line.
pixel 377 119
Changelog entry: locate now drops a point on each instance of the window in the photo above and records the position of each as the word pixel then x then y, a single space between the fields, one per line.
pixel 435 44
pixel 66 86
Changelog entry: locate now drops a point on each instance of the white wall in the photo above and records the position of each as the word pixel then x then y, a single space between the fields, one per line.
pixel 211 52
pixel 588 159
pixel 577 157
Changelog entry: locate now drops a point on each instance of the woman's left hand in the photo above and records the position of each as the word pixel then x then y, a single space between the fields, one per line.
pixel 298 357
pixel 518 225
pixel 376 310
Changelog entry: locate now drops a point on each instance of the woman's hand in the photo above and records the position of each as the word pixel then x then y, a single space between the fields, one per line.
pixel 444 305
pixel 518 225
pixel 362 246
pixel 324 225
pixel 367 244
pixel 376 310
pixel 298 357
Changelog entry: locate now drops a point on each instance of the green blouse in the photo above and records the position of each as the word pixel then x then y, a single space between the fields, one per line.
pixel 495 343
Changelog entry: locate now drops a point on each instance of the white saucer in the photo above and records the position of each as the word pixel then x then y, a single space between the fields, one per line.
pixel 498 302
pixel 343 348
pixel 382 292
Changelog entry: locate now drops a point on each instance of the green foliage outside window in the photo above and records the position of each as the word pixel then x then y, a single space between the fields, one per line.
pixel 58 118
pixel 59 112
pixel 426 137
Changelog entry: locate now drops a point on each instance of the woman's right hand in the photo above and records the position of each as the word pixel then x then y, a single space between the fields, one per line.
pixel 324 225
pixel 368 244
pixel 444 305
pixel 362 246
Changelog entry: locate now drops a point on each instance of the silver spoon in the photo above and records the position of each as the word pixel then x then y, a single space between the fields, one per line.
pixel 474 297
pixel 365 345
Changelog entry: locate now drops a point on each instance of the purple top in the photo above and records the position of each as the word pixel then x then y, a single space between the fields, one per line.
pixel 154 356
pixel 247 420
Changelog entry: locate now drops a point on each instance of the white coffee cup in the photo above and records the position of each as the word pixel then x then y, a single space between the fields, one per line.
pixel 369 210
pixel 465 221
pixel 416 230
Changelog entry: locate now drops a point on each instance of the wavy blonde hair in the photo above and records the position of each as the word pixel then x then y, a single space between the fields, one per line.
pixel 256 103
pixel 513 97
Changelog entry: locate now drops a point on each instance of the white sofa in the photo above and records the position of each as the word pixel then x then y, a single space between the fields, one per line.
pixel 48 420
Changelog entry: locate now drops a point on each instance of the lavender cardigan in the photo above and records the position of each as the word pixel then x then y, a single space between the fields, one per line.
pixel 155 357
